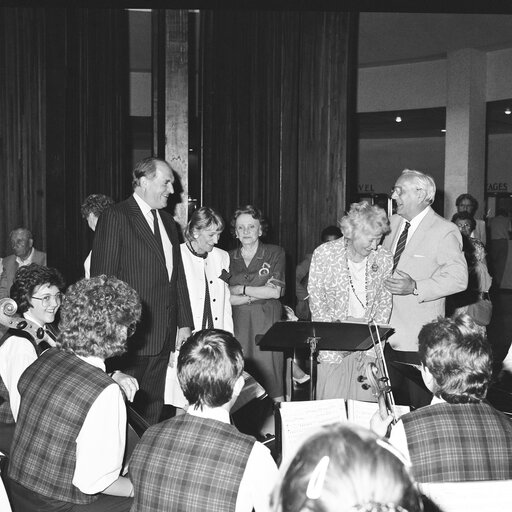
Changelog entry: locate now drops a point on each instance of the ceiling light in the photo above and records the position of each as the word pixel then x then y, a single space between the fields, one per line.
pixel 508 111
pixel 443 130
pixel 398 119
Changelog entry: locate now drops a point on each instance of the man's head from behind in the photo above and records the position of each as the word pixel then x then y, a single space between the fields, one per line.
pixel 97 316
pixel 21 242
pixel 457 359
pixel 210 367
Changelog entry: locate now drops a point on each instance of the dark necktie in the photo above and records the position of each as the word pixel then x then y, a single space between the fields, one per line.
pixel 207 311
pixel 156 231
pixel 400 246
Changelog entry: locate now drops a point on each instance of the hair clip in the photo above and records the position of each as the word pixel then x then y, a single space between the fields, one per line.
pixel 317 479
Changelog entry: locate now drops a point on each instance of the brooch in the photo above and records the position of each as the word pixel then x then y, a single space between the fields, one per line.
pixel 375 267
pixel 264 270
pixel 225 276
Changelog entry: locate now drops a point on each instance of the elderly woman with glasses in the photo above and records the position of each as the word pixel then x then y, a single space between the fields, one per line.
pixel 256 285
pixel 346 283
pixel 36 290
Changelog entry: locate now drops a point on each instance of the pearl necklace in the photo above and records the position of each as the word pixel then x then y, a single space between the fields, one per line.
pixel 364 306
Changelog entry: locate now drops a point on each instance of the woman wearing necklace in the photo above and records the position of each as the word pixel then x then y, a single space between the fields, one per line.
pixel 206 271
pixel 256 284
pixel 346 283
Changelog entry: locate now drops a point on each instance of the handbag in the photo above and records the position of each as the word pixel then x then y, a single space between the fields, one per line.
pixel 481 311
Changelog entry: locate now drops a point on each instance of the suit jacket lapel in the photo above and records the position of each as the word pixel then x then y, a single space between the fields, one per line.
pixel 142 226
pixel 419 235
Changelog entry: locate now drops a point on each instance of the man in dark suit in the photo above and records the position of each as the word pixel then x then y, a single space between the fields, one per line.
pixel 428 266
pixel 22 243
pixel 138 242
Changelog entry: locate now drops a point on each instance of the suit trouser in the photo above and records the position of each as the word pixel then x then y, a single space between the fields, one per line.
pixel 405 391
pixel 150 372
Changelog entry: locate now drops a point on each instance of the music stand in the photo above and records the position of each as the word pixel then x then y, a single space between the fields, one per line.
pixel 350 336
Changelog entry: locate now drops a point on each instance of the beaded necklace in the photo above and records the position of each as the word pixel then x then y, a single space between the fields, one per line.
pixel 364 306
pixel 191 249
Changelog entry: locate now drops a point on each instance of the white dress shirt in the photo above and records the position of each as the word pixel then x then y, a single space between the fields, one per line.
pixel 398 438
pixel 260 473
pixel 166 243
pixel 414 223
pixel 26 261
pixel 101 442
pixel 16 355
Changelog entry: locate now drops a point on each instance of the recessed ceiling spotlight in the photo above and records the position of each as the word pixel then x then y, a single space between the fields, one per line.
pixel 508 111
pixel 398 119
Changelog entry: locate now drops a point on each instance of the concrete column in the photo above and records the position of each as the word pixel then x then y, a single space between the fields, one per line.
pixel 465 128
pixel 176 104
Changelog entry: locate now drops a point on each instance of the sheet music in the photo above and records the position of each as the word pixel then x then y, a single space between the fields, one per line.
pixel 300 419
pixel 361 412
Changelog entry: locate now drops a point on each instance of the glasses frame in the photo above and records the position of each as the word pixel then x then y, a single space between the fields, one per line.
pixel 45 299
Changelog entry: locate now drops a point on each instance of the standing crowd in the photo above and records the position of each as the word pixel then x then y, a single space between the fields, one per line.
pixel 152 314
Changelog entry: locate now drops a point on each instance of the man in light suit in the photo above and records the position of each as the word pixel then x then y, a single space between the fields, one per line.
pixel 138 243
pixel 429 265
pixel 22 243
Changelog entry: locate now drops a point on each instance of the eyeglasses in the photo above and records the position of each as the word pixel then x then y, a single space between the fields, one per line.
pixel 130 330
pixel 399 191
pixel 46 299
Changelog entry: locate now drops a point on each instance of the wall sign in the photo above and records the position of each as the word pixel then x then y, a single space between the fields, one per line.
pixel 497 187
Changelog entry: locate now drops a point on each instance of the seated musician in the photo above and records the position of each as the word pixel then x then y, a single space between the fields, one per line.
pixel 459 437
pixel 37 292
pixel 198 461
pixel 69 440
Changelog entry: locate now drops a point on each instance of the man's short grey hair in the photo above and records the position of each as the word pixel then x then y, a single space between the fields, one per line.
pixel 24 230
pixel 424 182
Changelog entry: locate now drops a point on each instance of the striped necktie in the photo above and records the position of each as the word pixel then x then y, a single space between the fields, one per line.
pixel 400 246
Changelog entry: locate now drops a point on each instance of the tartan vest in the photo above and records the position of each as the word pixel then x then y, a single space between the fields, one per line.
pixel 459 442
pixel 57 392
pixel 189 464
pixel 5 406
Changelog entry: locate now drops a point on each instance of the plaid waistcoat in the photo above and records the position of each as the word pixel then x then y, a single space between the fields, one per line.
pixel 5 405
pixel 57 392
pixel 459 442
pixel 189 464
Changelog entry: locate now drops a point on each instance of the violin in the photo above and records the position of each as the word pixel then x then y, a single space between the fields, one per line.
pixel 380 388
pixel 8 318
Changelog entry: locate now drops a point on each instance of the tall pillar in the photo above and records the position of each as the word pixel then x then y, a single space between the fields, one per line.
pixel 176 106
pixel 465 127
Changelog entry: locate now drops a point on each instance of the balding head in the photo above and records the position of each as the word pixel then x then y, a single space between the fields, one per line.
pixel 21 242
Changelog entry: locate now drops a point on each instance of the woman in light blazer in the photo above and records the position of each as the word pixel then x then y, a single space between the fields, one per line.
pixel 206 271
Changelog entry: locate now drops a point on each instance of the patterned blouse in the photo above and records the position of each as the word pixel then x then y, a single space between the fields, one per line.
pixel 329 287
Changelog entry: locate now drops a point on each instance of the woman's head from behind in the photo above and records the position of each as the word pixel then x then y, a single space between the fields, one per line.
pixel 93 206
pixel 364 226
pixel 203 229
pixel 345 468
pixel 97 316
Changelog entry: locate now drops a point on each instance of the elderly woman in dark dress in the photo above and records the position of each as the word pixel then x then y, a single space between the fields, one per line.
pixel 256 284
